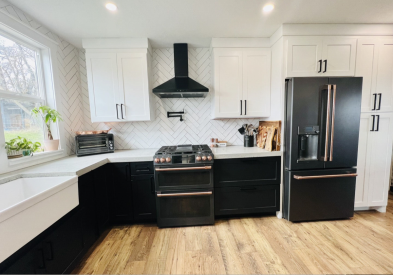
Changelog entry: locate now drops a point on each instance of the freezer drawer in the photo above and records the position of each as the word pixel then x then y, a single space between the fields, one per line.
pixel 319 194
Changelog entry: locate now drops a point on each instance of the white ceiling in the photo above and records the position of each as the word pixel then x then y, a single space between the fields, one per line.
pixel 194 21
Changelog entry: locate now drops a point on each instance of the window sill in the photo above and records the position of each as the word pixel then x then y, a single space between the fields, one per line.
pixel 36 156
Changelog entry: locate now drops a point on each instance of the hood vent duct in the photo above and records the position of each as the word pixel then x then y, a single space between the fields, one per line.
pixel 181 86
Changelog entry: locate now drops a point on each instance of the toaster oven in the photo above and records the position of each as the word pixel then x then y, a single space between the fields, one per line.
pixel 94 144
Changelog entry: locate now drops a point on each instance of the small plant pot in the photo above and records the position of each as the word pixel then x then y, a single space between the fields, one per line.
pixel 27 152
pixel 249 141
pixel 14 154
pixel 51 145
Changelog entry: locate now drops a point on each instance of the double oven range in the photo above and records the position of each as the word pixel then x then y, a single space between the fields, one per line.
pixel 183 177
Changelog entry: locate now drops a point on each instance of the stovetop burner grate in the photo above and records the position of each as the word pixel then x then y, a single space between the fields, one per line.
pixel 184 149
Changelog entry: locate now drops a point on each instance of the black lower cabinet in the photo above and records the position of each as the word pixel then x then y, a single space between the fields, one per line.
pixel 102 188
pixel 143 198
pixel 52 252
pixel 121 193
pixel 246 200
pixel 247 186
pixel 64 245
pixel 88 205
pixel 31 262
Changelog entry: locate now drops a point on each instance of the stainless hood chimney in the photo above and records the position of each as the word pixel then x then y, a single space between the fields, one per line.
pixel 181 86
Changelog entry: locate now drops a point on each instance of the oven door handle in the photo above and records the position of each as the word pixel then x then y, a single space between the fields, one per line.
pixel 185 194
pixel 184 168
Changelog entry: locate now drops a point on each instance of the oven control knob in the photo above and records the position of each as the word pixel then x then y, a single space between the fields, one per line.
pixel 162 160
pixel 198 158
pixel 168 159
pixel 204 158
pixel 157 160
pixel 209 158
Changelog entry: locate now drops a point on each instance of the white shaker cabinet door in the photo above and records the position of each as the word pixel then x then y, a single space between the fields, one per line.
pixel 384 76
pixel 256 82
pixel 304 56
pixel 366 67
pixel 228 76
pixel 361 195
pixel 338 56
pixel 380 157
pixel 103 87
pixel 134 86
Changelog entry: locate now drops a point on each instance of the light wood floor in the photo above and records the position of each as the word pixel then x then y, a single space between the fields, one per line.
pixel 363 244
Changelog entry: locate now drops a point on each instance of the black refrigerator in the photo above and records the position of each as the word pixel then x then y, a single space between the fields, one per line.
pixel 322 118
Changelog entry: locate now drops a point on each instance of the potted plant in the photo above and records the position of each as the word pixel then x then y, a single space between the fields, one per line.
pixel 20 146
pixel 48 115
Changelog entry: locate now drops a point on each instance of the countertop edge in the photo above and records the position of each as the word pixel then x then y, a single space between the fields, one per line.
pixel 229 152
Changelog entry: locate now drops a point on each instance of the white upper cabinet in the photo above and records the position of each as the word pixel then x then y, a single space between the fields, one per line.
pixel 338 56
pixel 256 82
pixel 118 80
pixel 320 56
pixel 304 57
pixel 103 86
pixel 241 82
pixel 133 86
pixel 375 64
pixel 228 90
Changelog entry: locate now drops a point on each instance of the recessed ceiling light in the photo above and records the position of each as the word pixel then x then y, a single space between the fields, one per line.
pixel 111 7
pixel 268 8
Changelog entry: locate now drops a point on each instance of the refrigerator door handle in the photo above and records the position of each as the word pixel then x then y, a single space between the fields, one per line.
pixel 297 177
pixel 333 115
pixel 325 156
pixel 377 123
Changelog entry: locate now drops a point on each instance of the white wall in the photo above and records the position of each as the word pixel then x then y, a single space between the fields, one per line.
pixel 68 66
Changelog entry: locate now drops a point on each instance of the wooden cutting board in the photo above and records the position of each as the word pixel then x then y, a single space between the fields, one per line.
pixel 271 141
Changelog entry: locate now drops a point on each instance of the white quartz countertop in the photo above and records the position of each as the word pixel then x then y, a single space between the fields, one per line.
pixel 73 165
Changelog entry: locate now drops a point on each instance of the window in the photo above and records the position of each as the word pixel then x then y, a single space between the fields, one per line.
pixel 21 90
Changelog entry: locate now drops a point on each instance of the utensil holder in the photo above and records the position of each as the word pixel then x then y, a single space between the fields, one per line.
pixel 249 141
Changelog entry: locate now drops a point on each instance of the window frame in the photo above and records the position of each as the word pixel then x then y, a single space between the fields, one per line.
pixel 49 88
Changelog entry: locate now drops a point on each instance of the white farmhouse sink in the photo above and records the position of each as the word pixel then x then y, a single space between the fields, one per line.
pixel 28 206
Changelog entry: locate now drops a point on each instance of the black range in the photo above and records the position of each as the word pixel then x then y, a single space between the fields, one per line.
pixel 183 177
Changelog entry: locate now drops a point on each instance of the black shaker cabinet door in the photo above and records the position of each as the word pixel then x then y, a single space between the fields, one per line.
pixel 121 198
pixel 32 262
pixel 246 200
pixel 102 190
pixel 144 199
pixel 63 246
pixel 247 171
pixel 87 204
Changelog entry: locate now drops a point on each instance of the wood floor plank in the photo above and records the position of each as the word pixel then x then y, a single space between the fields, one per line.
pixel 251 245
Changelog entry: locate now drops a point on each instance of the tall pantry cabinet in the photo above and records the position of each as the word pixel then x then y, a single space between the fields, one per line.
pixel 372 59
pixel 374 62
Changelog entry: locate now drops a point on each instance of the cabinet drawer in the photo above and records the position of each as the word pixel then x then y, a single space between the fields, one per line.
pixel 141 168
pixel 247 171
pixel 246 200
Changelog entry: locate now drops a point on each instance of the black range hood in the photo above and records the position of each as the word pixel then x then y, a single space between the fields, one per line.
pixel 181 86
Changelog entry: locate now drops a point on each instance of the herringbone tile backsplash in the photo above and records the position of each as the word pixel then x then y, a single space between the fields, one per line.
pixel 197 127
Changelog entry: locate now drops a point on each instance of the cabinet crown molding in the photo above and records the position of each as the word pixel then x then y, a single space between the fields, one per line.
pixel 251 42
pixel 116 43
